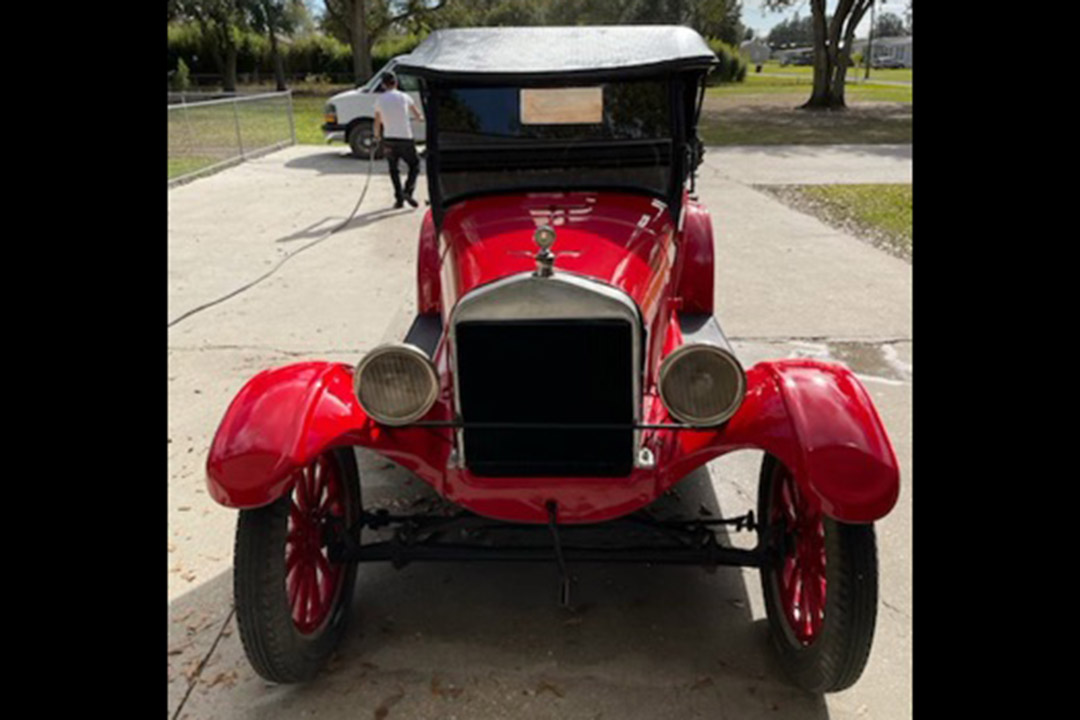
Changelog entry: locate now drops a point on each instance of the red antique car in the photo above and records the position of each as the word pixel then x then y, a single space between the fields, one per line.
pixel 564 370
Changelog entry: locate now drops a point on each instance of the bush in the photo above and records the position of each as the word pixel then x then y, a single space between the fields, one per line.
pixel 313 54
pixel 181 79
pixel 732 67
pixel 390 47
pixel 317 54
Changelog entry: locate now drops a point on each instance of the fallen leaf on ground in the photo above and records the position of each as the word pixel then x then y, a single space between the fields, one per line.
pixel 545 685
pixel 448 691
pixel 191 668
pixel 384 707
pixel 228 679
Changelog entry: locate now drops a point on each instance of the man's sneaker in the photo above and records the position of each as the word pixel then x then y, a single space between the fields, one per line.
pixel 409 199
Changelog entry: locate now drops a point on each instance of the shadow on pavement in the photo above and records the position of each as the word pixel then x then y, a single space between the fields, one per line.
pixel 339 161
pixel 327 223
pixel 489 641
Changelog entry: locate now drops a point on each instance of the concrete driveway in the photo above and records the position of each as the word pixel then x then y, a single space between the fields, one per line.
pixel 464 641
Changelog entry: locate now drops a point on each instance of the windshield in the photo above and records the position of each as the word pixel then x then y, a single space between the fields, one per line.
pixel 612 111
pixel 600 135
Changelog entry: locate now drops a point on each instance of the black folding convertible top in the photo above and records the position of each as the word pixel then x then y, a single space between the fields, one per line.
pixel 473 80
pixel 583 51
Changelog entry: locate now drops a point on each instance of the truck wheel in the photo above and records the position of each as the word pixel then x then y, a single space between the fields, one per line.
pixel 361 136
pixel 292 602
pixel 821 591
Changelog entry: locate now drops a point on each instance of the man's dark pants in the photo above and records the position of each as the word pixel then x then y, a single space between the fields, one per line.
pixel 393 149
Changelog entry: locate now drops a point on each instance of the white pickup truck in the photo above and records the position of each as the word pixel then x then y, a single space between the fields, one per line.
pixel 350 115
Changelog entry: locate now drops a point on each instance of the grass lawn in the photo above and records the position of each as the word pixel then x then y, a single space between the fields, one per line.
pixel 308 116
pixel 891 74
pixel 878 213
pixel 201 135
pixel 183 165
pixel 763 111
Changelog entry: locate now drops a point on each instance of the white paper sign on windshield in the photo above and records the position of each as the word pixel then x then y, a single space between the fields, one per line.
pixel 562 106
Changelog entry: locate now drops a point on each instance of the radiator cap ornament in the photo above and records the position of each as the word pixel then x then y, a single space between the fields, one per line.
pixel 545 259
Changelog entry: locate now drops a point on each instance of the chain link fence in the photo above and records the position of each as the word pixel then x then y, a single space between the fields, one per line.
pixel 208 135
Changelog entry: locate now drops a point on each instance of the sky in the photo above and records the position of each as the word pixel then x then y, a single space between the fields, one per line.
pixel 755 16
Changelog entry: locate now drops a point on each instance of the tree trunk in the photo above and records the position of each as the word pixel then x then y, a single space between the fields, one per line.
pixel 228 81
pixel 831 54
pixel 361 42
pixel 819 98
pixel 279 66
pixel 844 57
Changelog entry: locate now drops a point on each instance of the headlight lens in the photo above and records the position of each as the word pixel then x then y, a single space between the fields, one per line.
pixel 396 384
pixel 702 384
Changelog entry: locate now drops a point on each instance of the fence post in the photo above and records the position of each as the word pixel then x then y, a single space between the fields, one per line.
pixel 236 118
pixel 292 123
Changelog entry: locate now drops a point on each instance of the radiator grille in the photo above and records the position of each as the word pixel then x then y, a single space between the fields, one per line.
pixel 547 373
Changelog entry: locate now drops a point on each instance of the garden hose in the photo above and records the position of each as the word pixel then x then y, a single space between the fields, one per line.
pixel 313 243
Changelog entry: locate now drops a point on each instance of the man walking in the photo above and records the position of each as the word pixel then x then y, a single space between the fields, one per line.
pixel 392 127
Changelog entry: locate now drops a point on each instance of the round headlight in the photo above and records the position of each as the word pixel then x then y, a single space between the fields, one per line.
pixel 702 384
pixel 396 384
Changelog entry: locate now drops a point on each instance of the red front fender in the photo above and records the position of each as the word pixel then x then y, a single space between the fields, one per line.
pixel 818 419
pixel 284 418
pixel 815 417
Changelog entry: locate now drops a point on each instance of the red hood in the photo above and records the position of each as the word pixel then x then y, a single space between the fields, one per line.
pixel 622 239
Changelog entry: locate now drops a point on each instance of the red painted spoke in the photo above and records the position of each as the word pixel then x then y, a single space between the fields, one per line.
pixel 292 557
pixel 313 593
pixel 323 563
pixel 801 577
pixel 313 583
pixel 318 482
pixel 299 495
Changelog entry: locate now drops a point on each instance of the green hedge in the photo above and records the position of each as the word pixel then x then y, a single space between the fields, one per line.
pixel 732 67
pixel 310 54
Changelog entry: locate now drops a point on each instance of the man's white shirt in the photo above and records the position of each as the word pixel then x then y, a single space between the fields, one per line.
pixel 393 106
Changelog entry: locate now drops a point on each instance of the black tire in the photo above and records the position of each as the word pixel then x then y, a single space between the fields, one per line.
pixel 836 656
pixel 360 137
pixel 275 647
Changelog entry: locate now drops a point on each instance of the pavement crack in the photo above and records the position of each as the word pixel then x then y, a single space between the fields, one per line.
pixel 198 671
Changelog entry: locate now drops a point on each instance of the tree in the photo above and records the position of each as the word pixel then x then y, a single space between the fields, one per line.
pixel 833 37
pixel 220 22
pixel 361 22
pixel 792 33
pixel 272 17
pixel 907 18
pixel 731 29
pixel 889 25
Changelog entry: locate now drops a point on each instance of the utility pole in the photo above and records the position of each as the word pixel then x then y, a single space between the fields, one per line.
pixel 870 43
